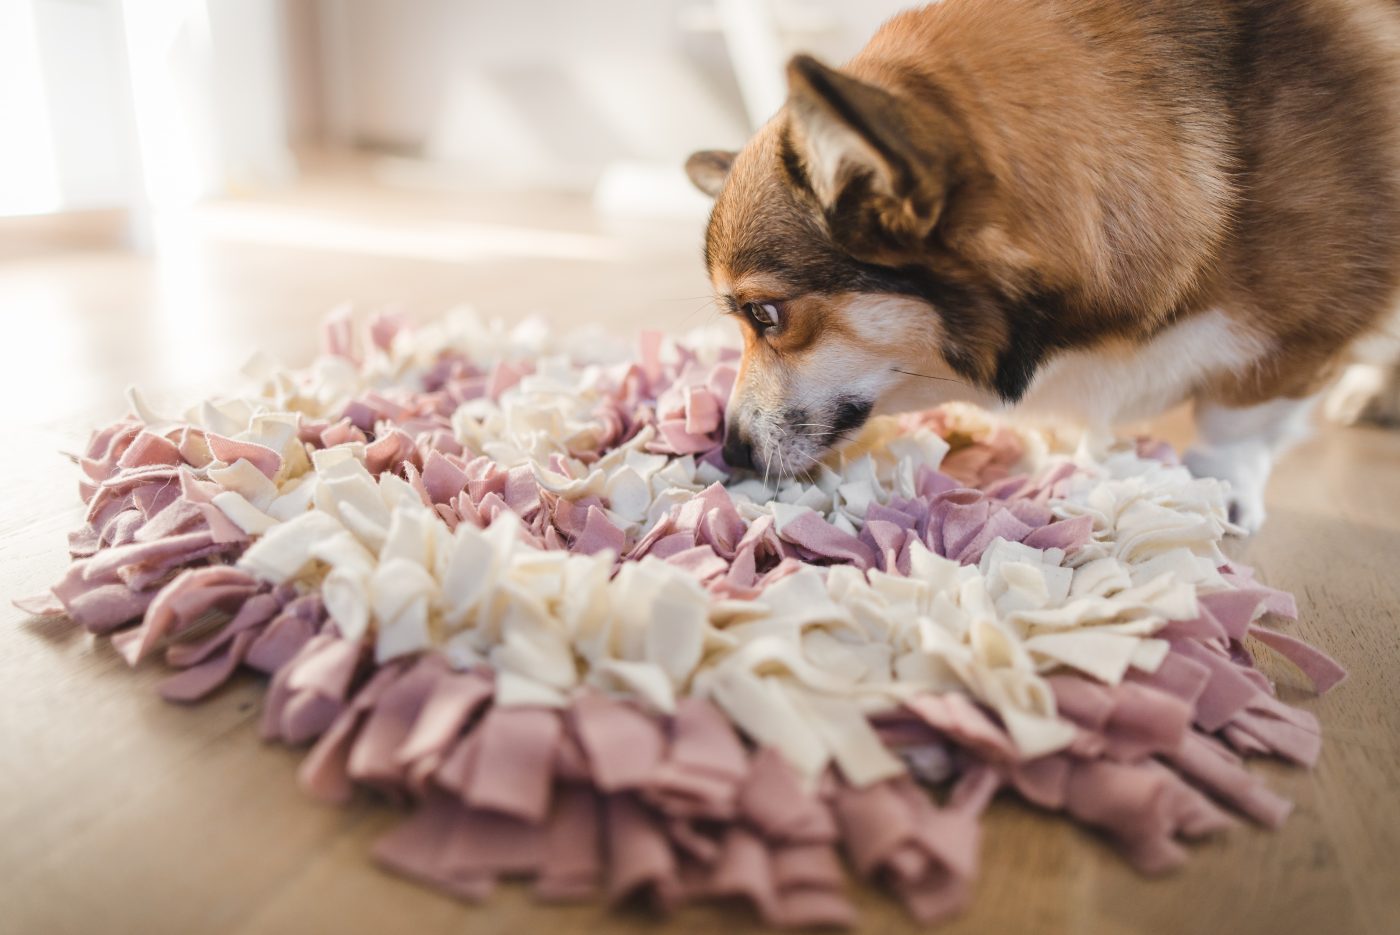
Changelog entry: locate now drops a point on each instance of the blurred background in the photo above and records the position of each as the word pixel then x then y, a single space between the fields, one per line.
pixel 183 182
pixel 149 105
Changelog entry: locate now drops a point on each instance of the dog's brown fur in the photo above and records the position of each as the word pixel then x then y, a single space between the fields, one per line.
pixel 1045 175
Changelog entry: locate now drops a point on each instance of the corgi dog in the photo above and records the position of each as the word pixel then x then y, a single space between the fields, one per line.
pixel 1087 210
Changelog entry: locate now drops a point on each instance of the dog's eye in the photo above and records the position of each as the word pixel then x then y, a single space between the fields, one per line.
pixel 763 315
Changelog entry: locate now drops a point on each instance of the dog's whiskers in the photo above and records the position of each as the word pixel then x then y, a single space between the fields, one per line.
pixel 710 303
pixel 811 460
pixel 929 376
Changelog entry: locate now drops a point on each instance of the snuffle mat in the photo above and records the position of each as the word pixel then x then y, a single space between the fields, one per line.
pixel 507 583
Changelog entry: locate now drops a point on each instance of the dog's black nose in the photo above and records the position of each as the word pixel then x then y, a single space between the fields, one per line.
pixel 737 451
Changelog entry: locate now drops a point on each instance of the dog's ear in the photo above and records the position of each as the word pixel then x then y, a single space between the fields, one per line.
pixel 880 168
pixel 708 169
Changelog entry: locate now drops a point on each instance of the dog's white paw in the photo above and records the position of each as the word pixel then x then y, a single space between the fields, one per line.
pixel 1238 445
pixel 1365 393
pixel 1245 470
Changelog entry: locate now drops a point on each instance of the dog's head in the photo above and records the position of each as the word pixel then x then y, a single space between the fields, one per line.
pixel 856 239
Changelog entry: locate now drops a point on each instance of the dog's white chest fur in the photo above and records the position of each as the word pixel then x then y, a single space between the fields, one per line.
pixel 1122 382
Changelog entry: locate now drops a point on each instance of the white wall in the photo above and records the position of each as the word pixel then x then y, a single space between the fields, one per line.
pixel 128 103
pixel 134 103
pixel 549 92
pixel 61 105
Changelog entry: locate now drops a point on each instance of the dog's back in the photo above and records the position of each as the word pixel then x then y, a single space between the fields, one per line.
pixel 1174 156
pixel 1315 255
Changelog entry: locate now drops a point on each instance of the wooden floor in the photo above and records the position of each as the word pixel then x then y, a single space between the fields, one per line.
pixel 120 813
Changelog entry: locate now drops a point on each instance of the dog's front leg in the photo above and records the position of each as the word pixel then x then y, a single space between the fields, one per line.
pixel 1240 445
